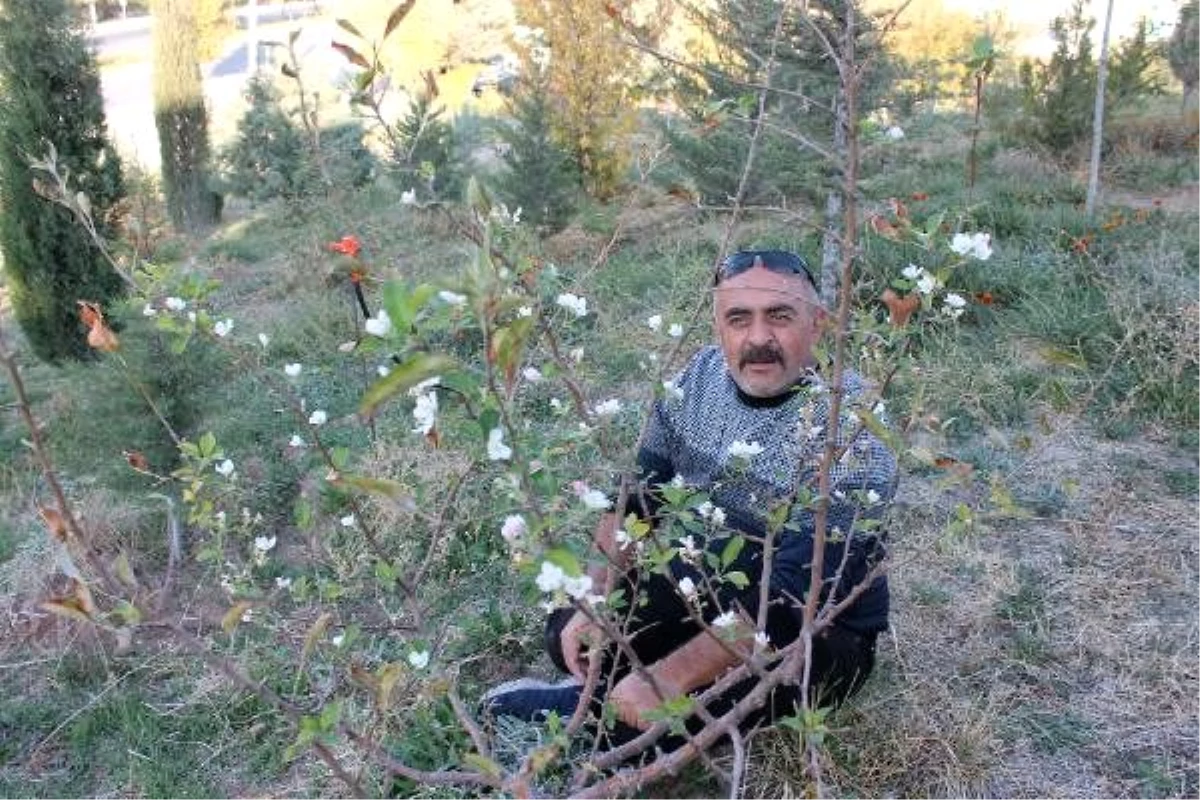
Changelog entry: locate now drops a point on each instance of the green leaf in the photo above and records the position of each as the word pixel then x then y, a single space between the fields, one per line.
pixel 379 486
pixel 481 764
pixel 881 432
pixel 738 579
pixel 510 344
pixel 340 456
pixel 731 551
pixel 564 559
pixel 402 378
pixel 348 26
pixel 207 445
pixel 302 513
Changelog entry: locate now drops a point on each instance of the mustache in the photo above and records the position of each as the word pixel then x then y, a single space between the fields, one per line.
pixel 760 354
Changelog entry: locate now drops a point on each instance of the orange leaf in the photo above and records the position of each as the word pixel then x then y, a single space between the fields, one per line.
pixel 101 338
pixel 898 208
pixel 83 597
pixel 984 298
pixel 55 522
pixel 353 56
pixel 89 313
pixel 884 228
pixel 919 196
pixel 137 460
pixel 900 308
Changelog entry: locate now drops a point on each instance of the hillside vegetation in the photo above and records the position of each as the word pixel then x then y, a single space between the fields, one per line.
pixel 303 551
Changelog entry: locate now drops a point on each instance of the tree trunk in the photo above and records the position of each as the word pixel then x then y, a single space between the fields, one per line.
pixel 1098 117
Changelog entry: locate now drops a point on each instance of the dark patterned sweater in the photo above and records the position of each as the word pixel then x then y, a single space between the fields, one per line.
pixel 689 440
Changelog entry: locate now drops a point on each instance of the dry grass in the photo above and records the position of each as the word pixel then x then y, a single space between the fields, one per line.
pixel 1034 657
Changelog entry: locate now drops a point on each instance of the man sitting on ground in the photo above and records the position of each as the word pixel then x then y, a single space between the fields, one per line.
pixel 746 423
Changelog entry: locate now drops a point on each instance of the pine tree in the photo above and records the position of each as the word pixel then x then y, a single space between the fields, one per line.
pixel 594 80
pixel 539 176
pixel 50 93
pixel 181 117
pixel 721 106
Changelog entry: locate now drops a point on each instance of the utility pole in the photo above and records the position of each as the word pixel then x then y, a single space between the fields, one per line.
pixel 252 36
pixel 1098 118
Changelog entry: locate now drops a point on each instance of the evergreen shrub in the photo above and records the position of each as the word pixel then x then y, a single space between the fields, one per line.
pixel 50 95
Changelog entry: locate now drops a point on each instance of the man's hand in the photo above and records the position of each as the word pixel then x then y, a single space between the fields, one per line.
pixel 577 638
pixel 633 696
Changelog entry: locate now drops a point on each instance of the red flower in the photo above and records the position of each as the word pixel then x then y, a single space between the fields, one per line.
pixel 347 245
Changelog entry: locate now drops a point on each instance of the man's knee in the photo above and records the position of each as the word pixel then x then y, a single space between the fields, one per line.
pixel 553 635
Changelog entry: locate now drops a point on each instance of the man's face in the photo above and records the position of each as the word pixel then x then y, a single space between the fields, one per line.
pixel 767 323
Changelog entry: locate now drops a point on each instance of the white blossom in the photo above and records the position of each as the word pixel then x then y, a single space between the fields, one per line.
pixel 608 408
pixel 338 639
pixel 672 391
pixel 379 325
pixel 912 272
pixel 418 659
pixel 761 639
pixel 977 245
pixel 318 417
pixel 895 133
pixel 191 315
pixel 383 370
pixel 592 498
pixel 740 449
pixel 408 197
pixel 525 311
pixel 292 370
pixel 263 544
pixel 655 322
pixel 497 450
pixel 531 374
pixel 248 615
pixel 577 355
pixel 452 298
pixel 425 413
pixel 296 441
pixel 551 577
pixel 557 404
pixel 687 588
pixel 223 327
pixel 348 521
pixel 927 283
pixel 579 587
pixel 264 340
pixel 725 620
pixel 718 516
pixel 175 304
pixel 872 497
pixel 283 583
pixel 225 468
pixel 675 331
pixel 622 538
pixel 688 549
pixel 424 386
pixel 574 303
pixel 148 311
pixel 514 528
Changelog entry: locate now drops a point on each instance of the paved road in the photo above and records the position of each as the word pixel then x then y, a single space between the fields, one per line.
pixel 127 88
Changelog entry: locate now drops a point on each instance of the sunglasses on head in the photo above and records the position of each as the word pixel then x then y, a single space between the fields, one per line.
pixel 782 261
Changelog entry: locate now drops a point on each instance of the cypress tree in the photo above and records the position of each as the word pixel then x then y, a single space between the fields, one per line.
pixel 181 117
pixel 50 93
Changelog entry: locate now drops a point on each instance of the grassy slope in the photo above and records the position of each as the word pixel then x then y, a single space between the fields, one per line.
pixel 1043 646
